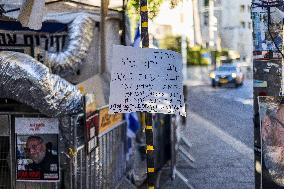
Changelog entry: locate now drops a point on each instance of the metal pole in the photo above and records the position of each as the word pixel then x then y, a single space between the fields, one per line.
pixel 183 43
pixel 104 10
pixel 148 128
pixel 211 25
pixel 196 20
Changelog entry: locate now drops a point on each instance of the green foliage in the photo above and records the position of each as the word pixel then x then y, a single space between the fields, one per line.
pixel 196 55
pixel 171 42
pixel 133 7
pixel 153 8
pixel 133 10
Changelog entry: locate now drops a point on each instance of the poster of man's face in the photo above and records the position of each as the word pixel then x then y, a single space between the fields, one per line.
pixel 37 149
pixel 271 111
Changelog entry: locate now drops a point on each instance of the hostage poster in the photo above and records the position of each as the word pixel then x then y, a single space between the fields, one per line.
pixel 271 109
pixel 37 157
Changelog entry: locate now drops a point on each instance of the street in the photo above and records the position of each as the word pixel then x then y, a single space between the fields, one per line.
pixel 220 129
pixel 136 94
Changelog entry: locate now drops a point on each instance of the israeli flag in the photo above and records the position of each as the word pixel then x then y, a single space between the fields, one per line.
pixel 132 119
pixel 137 37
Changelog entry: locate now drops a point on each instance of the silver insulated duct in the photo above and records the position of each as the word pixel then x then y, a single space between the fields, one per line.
pixel 26 80
pixel 80 35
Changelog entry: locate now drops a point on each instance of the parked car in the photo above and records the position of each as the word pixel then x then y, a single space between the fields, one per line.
pixel 226 74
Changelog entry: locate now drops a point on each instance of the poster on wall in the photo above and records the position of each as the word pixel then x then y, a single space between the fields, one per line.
pixel 271 110
pixel 91 122
pixel 37 155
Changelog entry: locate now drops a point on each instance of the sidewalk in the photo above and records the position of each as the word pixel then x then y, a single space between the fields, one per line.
pixel 222 162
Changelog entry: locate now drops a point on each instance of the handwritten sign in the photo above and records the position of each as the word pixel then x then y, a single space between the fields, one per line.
pixel 146 80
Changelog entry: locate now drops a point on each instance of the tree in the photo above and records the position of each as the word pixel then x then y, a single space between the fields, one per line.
pixel 153 7
pixel 171 42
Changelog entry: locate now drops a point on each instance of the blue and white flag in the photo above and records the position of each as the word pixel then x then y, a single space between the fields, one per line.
pixel 132 119
pixel 137 37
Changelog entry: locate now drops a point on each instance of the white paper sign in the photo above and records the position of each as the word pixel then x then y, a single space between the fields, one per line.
pixel 31 126
pixel 146 80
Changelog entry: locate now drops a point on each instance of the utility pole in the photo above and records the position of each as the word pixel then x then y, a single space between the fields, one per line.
pixel 104 11
pixel 267 72
pixel 196 21
pixel 211 25
pixel 183 42
pixel 150 153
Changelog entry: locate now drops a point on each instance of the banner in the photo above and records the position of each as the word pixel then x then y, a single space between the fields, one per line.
pixel 146 80
pixel 271 110
pixel 51 38
pixel 37 155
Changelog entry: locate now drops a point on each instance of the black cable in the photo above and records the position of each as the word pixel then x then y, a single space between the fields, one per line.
pixel 2 10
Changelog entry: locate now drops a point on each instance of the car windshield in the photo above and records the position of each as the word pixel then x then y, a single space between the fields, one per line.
pixel 226 69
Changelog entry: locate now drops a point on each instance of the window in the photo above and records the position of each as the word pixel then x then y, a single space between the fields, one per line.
pixel 206 3
pixel 206 19
pixel 243 24
pixel 248 8
pixel 242 8
pixel 249 25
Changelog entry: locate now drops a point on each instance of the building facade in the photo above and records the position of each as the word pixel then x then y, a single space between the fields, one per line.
pixel 231 25
pixel 176 21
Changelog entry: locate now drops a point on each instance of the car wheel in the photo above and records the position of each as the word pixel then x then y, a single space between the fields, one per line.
pixel 213 83
pixel 237 85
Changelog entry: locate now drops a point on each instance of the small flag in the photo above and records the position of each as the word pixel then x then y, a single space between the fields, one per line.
pixel 137 37
pixel 132 120
pixel 133 125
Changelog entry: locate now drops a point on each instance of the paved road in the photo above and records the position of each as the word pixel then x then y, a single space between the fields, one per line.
pixel 221 130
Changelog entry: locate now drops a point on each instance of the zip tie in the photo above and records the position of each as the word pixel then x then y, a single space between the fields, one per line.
pixel 144 24
pixel 149 127
pixel 144 8
pixel 151 170
pixel 149 148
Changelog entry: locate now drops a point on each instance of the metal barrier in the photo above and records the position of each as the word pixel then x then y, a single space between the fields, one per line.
pixel 106 165
pixel 4 168
pixel 162 142
pixel 102 168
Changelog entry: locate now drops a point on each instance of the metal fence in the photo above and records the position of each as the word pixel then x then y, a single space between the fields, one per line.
pixel 4 167
pixel 162 139
pixel 103 168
